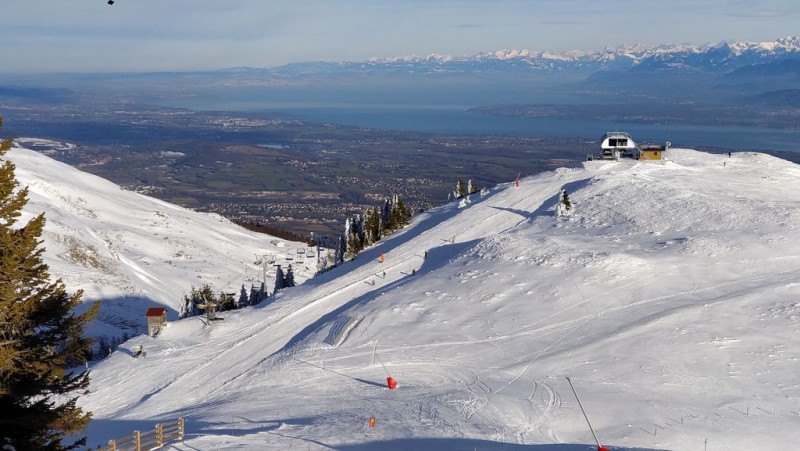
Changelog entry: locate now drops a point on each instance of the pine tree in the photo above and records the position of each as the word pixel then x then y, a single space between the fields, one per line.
pixel 253 300
pixel 460 191
pixel 358 228
pixel 187 307
pixel 353 246
pixel 204 296
pixel 226 301
pixel 341 251
pixel 387 221
pixel 279 278
pixel 367 231
pixel 41 336
pixel 243 298
pixel 288 279
pixel 262 293
pixel 471 187
pixel 372 227
pixel 354 236
pixel 376 227
pixel 400 214
pixel 564 206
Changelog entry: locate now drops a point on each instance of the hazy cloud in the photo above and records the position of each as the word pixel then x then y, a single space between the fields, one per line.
pixel 755 14
pixel 563 22
pixel 89 35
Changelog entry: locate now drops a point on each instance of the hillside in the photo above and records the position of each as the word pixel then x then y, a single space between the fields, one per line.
pixel 131 252
pixel 669 296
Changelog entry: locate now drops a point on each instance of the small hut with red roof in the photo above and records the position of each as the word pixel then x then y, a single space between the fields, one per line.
pixel 156 319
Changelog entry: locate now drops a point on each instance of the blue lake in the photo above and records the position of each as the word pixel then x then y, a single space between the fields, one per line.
pixel 460 121
pixel 445 114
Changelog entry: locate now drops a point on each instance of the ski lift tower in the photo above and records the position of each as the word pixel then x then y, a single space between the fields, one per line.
pixel 211 310
pixel 268 259
pixel 317 239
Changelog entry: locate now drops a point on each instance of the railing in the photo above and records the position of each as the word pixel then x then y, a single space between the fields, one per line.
pixel 152 439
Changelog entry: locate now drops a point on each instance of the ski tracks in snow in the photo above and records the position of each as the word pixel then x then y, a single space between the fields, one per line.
pixel 283 323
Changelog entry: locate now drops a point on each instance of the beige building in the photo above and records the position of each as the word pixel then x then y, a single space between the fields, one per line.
pixel 156 319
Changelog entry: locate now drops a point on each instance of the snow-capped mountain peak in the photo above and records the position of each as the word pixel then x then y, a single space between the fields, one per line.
pixel 704 56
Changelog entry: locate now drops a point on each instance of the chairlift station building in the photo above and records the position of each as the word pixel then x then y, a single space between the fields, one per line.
pixel 616 145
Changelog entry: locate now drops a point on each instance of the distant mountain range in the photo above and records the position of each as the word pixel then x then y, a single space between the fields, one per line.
pixel 682 84
pixel 725 73
pixel 719 57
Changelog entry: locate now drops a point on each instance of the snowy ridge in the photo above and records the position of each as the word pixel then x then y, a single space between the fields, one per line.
pixel 632 55
pixel 670 295
pixel 131 251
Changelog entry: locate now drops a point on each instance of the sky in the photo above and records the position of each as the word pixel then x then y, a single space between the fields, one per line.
pixel 150 35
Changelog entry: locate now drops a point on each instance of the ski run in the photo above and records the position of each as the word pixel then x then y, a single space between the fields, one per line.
pixel 669 294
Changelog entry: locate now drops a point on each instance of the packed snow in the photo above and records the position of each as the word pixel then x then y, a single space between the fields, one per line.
pixel 669 295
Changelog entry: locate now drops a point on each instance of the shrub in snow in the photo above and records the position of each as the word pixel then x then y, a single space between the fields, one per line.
pixel 564 206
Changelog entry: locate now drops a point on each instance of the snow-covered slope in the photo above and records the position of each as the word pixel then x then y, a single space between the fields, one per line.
pixel 670 296
pixel 131 252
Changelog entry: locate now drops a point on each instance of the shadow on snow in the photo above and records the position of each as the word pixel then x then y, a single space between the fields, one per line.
pixel 464 444
pixel 437 257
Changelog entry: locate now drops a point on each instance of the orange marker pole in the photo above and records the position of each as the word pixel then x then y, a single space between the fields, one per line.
pixel 382 258
pixel 372 422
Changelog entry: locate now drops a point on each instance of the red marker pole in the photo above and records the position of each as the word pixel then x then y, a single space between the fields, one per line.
pixel 390 382
pixel 599 446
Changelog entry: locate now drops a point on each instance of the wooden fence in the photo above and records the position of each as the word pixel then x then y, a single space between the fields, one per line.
pixel 147 440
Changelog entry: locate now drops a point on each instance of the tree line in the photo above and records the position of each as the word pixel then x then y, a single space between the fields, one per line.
pixel 364 230
pixel 361 231
pixel 199 300
pixel 464 190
